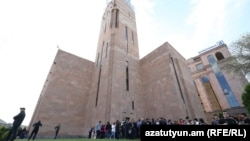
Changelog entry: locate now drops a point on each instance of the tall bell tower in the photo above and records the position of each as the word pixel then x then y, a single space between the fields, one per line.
pixel 116 77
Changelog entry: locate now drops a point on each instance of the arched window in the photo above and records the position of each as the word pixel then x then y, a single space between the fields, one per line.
pixel 204 79
pixel 219 56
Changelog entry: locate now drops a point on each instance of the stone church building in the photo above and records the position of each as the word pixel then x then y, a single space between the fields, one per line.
pixel 118 85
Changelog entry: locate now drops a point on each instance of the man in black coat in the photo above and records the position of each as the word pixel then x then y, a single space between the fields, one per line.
pixel 35 130
pixel 57 128
pixel 18 119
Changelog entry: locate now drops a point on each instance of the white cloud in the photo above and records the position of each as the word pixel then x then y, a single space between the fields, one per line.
pixel 144 10
pixel 208 20
pixel 29 34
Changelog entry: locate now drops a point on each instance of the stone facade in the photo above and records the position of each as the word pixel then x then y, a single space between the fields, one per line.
pixel 64 95
pixel 167 87
pixel 118 85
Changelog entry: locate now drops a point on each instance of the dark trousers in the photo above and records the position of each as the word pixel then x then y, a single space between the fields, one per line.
pixel 12 133
pixel 98 134
pixel 56 134
pixel 34 132
pixel 108 133
pixel 117 135
pixel 90 132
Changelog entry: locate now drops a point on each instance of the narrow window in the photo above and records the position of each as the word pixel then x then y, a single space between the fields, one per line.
pixel 97 59
pixel 105 28
pixel 98 85
pixel 126 34
pixel 127 77
pixel 177 78
pixel 112 18
pixel 101 54
pixel 132 37
pixel 133 105
pixel 107 50
pixel 102 48
pixel 116 18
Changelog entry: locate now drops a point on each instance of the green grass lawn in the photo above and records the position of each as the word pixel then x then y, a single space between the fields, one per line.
pixel 81 139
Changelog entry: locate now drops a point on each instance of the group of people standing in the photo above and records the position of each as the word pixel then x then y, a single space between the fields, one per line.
pixel 116 130
pixel 125 129
pixel 18 119
pixel 130 129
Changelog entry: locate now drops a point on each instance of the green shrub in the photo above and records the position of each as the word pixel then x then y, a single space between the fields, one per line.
pixel 246 97
pixel 3 132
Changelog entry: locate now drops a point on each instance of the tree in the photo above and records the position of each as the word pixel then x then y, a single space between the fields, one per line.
pixel 240 59
pixel 246 97
pixel 3 132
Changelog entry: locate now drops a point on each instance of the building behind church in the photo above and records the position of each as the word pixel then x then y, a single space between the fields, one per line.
pixel 218 89
pixel 119 85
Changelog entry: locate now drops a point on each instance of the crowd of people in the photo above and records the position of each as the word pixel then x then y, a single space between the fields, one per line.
pixel 126 129
pixel 130 129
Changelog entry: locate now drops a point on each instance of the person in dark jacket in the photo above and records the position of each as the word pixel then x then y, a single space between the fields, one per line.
pixel 18 119
pixel 57 128
pixel 35 130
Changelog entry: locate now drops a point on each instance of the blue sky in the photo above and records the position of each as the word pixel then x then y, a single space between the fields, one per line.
pixel 190 25
pixel 31 31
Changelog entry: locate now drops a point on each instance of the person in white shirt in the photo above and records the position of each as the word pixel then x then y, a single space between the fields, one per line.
pixel 112 131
